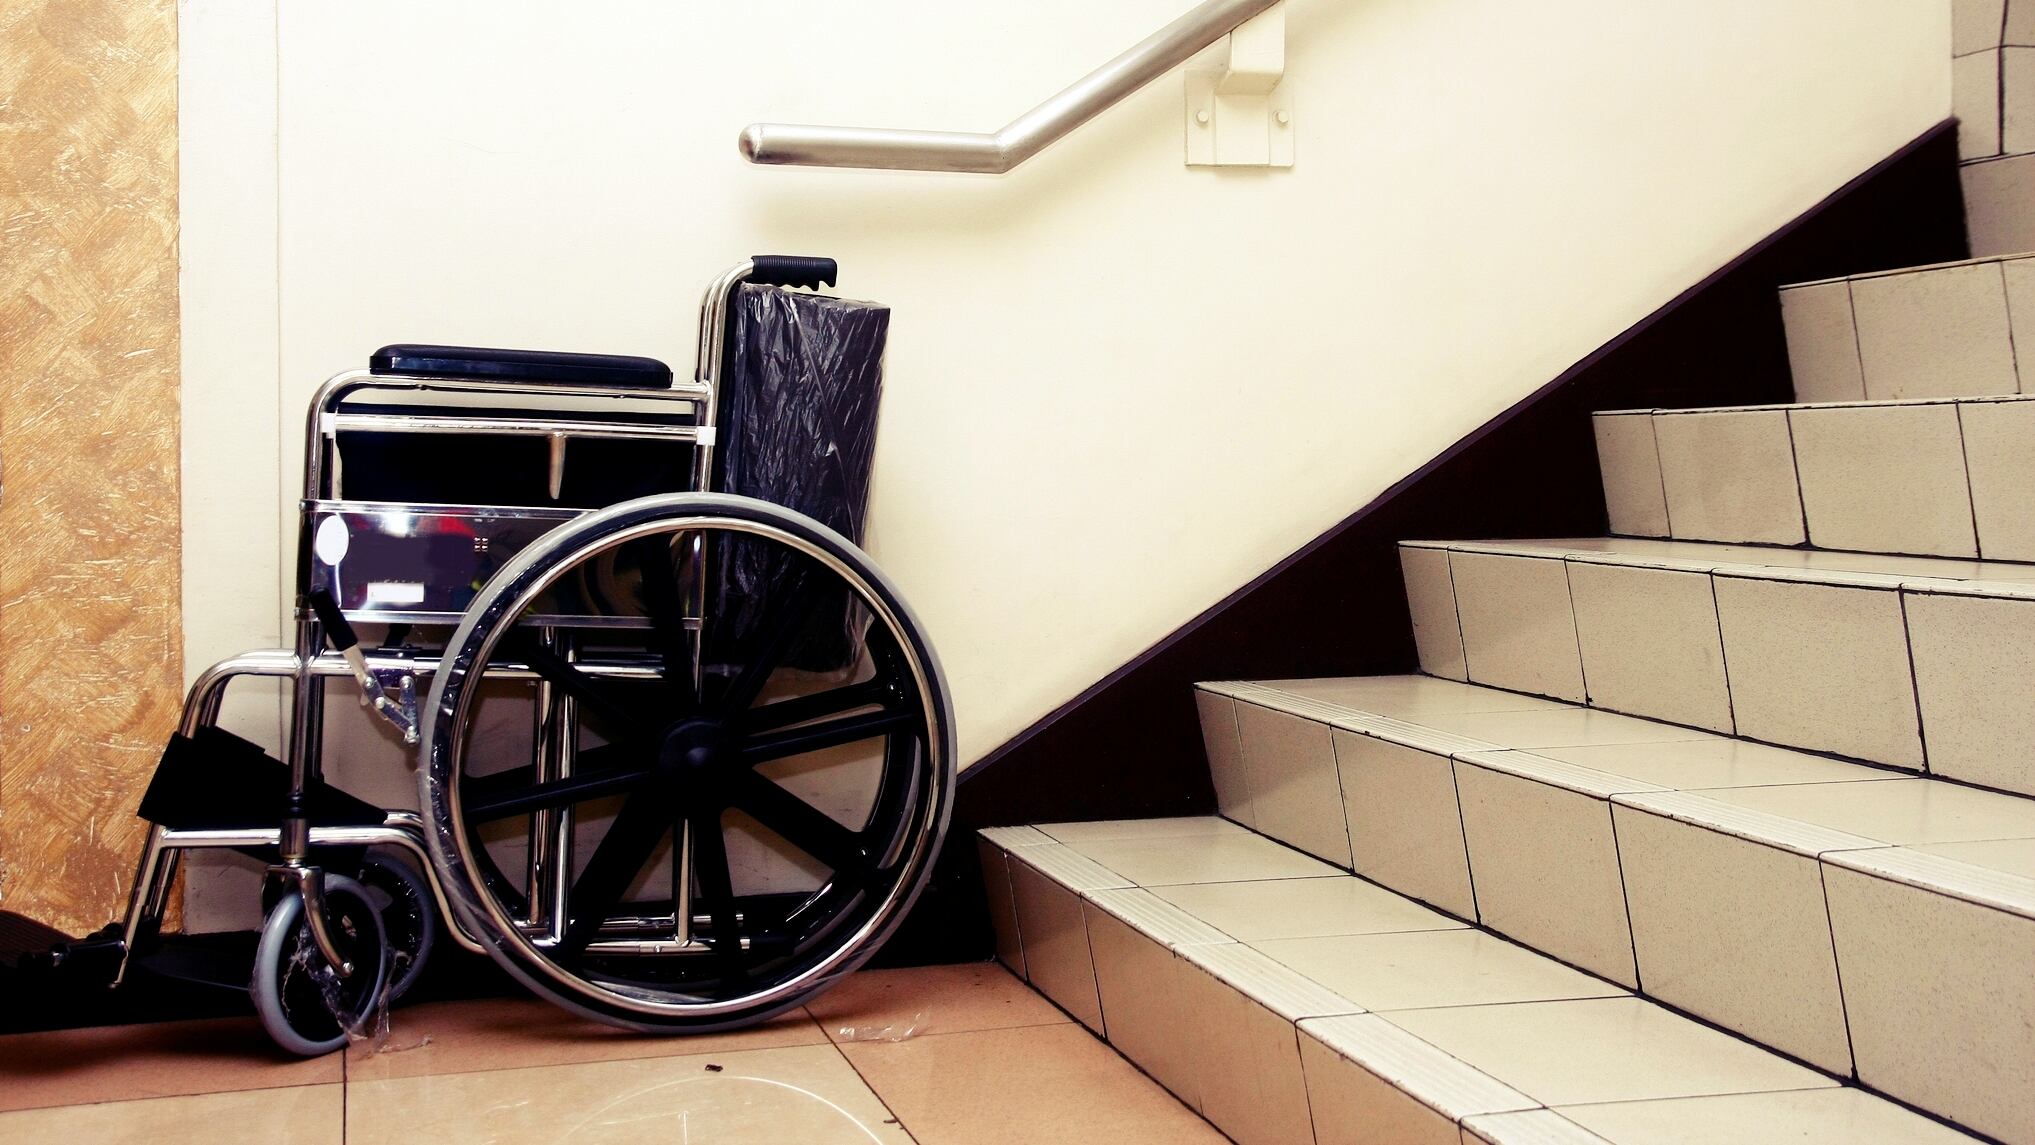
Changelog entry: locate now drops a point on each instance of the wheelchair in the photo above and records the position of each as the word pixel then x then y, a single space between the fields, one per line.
pixel 606 702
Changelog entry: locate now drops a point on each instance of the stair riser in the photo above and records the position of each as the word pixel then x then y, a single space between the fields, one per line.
pixel 1999 205
pixel 1903 676
pixel 1945 331
pixel 1738 932
pixel 1952 479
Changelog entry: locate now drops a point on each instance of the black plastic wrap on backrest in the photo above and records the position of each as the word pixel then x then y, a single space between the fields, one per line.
pixel 802 378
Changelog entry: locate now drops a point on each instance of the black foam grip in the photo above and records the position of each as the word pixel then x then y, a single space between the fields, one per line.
pixel 793 270
pixel 337 630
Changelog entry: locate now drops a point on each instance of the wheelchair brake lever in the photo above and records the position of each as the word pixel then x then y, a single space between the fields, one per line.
pixel 400 710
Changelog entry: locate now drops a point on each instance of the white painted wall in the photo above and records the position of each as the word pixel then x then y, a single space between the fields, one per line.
pixel 1117 388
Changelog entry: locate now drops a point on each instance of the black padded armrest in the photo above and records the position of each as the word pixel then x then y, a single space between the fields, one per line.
pixel 522 366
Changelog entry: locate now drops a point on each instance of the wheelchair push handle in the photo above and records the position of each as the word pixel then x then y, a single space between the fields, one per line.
pixel 792 270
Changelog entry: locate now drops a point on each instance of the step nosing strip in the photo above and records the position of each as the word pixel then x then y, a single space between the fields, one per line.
pixel 1419 737
pixel 1155 918
pixel 1533 1127
pixel 1954 878
pixel 1424 1072
pixel 1069 868
pixel 1306 707
pixel 1576 777
pixel 1753 826
pixel 1269 982
pixel 1011 838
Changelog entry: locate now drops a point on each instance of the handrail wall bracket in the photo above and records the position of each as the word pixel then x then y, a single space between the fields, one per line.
pixel 891 149
pixel 1239 113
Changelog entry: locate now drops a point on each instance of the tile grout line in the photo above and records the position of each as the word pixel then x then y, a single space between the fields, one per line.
pixel 1857 344
pixel 1448 561
pixel 1970 487
pixel 1795 465
pixel 895 1119
pixel 1836 964
pixel 1625 894
pixel 1723 655
pixel 1914 679
pixel 1660 475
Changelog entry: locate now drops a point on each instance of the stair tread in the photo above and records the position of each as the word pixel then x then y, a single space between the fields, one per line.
pixel 1934 574
pixel 1846 403
pixel 1920 268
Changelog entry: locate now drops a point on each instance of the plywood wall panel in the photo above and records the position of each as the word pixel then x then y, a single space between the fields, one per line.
pixel 89 531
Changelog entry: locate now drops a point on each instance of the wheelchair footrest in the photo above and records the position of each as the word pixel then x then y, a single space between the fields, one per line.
pixel 216 780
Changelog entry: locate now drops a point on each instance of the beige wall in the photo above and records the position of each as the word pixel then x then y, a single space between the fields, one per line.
pixel 1117 388
pixel 89 529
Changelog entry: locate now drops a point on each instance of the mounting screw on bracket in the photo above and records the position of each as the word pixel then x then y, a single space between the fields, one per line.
pixel 1235 96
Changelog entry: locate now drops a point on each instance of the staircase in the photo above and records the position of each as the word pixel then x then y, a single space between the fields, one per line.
pixel 1717 829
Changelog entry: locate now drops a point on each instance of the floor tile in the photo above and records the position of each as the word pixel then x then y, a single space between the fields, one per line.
pixel 2017 101
pixel 1975 25
pixel 1602 1049
pixel 1820 667
pixel 929 999
pixel 1631 466
pixel 1730 476
pixel 2020 27
pixel 1885 479
pixel 1822 343
pixel 1294 792
pixel 1975 101
pixel 1225 755
pixel 1431 599
pixel 1975 680
pixel 1010 949
pixel 1431 968
pixel 1410 697
pixel 1900 811
pixel 1203 859
pixel 1999 448
pixel 1569 727
pixel 1022 1087
pixel 1941 1001
pixel 765 1096
pixel 1140 983
pixel 1370 1081
pixel 1801 1117
pixel 1518 629
pixel 1545 864
pixel 1175 827
pixel 1690 765
pixel 1650 643
pixel 292 1115
pixel 1934 333
pixel 1303 908
pixel 1734 932
pixel 1406 830
pixel 2010 856
pixel 63 1067
pixel 1057 959
pixel 1999 205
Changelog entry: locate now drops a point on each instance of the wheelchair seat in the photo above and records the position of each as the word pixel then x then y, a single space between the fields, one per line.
pixel 521 365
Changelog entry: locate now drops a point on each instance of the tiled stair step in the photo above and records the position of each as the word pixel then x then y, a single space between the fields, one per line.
pixel 1999 204
pixel 1912 662
pixel 1870 923
pixel 1293 1004
pixel 1947 330
pixel 1952 478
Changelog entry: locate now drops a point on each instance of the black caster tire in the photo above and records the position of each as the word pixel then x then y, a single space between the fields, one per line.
pixel 409 914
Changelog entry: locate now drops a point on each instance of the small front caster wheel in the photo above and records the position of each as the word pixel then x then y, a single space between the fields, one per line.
pixel 409 918
pixel 303 1003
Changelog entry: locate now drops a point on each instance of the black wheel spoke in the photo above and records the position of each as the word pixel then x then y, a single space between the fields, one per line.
pixel 818 705
pixel 802 602
pixel 715 885
pixel 802 825
pixel 664 602
pixel 557 793
pixel 485 797
pixel 582 687
pixel 615 863
pixel 818 737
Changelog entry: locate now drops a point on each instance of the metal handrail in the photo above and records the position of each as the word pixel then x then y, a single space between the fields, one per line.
pixel 894 149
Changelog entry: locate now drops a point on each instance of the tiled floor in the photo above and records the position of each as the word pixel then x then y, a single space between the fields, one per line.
pixel 986 1061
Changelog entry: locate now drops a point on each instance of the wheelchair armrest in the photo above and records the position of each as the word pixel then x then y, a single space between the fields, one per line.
pixel 521 365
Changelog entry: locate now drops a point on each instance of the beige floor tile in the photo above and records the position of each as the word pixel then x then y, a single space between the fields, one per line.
pixel 1518 629
pixel 2017 100
pixel 928 999
pixel 2020 28
pixel 1999 447
pixel 1406 830
pixel 1057 960
pixel 1631 465
pixel 1139 981
pixel 1901 811
pixel 1735 932
pixel 293 1115
pixel 2011 856
pixel 1545 864
pixel 513 1033
pixel 1603 1049
pixel 1431 968
pixel 1999 205
pixel 1431 599
pixel 1172 827
pixel 1934 333
pixel 1975 679
pixel 1975 25
pixel 1941 1000
pixel 1225 755
pixel 1801 1117
pixel 1566 727
pixel 1303 908
pixel 1023 1087
pixel 1820 667
pixel 64 1067
pixel 765 1096
pixel 1010 948
pixel 1730 476
pixel 1691 765
pixel 1975 100
pixel 1410 697
pixel 1294 792
pixel 1203 859
pixel 1822 343
pixel 1886 479
pixel 1650 643
pixel 1246 1064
